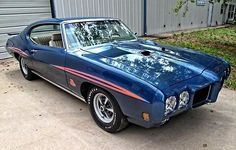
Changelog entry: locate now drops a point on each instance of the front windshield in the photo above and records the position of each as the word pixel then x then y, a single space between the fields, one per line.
pixel 89 33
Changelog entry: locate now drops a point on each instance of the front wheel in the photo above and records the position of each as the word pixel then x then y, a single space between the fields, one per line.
pixel 106 111
pixel 26 72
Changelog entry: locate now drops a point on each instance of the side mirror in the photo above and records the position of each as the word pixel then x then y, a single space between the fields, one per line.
pixel 13 33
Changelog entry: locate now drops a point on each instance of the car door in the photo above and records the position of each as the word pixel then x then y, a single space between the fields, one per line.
pixel 47 51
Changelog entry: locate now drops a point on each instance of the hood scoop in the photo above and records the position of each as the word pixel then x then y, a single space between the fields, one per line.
pixel 146 53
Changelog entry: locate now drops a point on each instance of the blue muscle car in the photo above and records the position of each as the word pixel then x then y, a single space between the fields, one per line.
pixel 122 78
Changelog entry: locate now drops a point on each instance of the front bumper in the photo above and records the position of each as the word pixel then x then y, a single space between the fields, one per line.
pixel 210 80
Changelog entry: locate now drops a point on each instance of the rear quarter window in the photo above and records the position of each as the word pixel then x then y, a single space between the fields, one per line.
pixel 47 35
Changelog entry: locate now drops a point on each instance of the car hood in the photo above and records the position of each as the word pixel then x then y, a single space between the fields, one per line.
pixel 161 66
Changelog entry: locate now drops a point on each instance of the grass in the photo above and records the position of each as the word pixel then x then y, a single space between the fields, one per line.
pixel 219 42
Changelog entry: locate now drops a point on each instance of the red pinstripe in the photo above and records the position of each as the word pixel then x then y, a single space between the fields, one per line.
pixel 100 81
pixel 18 51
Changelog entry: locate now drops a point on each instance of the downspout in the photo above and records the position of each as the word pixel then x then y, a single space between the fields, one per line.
pixel 224 13
pixel 145 17
pixel 213 7
pixel 212 12
pixel 53 11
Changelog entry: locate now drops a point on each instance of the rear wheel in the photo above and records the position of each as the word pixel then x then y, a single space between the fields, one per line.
pixel 106 111
pixel 26 72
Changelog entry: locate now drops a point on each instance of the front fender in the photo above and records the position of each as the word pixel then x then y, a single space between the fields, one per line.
pixel 133 108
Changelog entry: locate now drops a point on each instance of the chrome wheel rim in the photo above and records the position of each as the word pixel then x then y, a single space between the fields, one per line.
pixel 23 66
pixel 103 108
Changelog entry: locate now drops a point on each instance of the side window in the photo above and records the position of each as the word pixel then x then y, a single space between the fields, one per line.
pixel 47 35
pixel 231 12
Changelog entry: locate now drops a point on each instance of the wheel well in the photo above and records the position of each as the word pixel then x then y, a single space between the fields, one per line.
pixel 84 89
pixel 86 86
pixel 16 56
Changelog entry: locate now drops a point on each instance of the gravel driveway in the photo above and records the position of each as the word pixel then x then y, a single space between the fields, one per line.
pixel 37 115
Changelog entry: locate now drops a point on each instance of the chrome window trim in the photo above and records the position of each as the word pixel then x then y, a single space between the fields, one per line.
pixel 64 38
pixel 87 20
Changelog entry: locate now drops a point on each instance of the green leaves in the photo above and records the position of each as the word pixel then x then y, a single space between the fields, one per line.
pixel 180 4
pixel 184 4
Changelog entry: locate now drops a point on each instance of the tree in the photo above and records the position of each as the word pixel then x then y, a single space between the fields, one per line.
pixel 185 5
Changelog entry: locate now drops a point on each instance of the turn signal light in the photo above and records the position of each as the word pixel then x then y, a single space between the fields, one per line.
pixel 146 116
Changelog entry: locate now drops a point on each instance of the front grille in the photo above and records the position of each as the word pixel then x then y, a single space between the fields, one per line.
pixel 201 95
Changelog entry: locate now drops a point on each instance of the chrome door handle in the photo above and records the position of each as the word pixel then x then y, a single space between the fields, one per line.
pixel 33 51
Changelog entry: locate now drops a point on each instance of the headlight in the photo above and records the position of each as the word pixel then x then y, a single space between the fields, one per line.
pixel 183 99
pixel 170 104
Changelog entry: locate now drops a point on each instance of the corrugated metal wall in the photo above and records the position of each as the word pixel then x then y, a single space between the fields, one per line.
pixel 129 11
pixel 217 17
pixel 161 17
pixel 160 13
pixel 16 14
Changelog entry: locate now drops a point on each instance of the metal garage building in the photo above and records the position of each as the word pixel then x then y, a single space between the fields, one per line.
pixel 142 16
pixel 16 14
pixel 145 16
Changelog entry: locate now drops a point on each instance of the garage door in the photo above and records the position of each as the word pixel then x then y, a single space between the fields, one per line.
pixel 15 15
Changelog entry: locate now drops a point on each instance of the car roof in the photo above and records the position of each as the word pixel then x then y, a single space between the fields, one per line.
pixel 59 20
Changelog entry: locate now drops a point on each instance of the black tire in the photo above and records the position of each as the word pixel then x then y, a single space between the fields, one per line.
pixel 27 73
pixel 118 122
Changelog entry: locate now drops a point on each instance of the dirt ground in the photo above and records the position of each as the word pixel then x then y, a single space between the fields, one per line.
pixel 37 115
